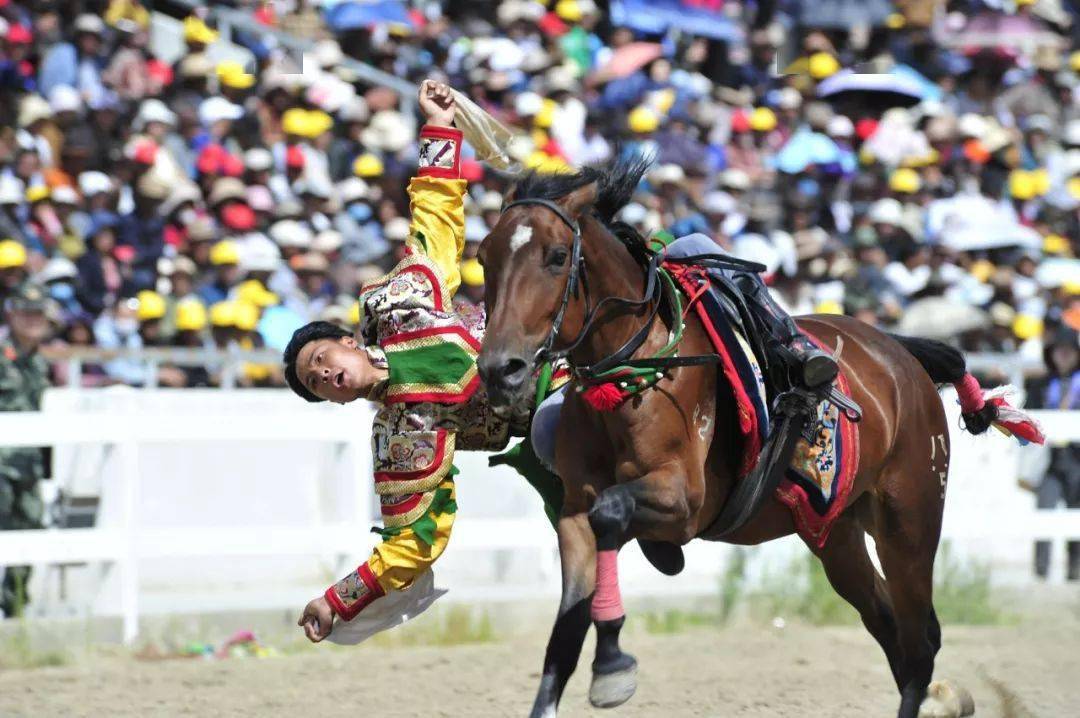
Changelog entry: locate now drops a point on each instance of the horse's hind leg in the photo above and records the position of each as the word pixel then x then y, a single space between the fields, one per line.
pixel 906 528
pixel 849 570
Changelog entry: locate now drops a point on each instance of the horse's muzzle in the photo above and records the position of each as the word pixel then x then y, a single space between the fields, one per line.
pixel 504 376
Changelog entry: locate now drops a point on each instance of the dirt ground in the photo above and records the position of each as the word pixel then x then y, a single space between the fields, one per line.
pixel 1013 672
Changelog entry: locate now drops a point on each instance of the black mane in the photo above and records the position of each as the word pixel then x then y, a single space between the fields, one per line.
pixel 617 180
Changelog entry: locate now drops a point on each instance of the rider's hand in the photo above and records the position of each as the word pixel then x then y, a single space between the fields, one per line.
pixel 437 103
pixel 317 619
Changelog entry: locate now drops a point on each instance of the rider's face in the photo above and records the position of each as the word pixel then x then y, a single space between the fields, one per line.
pixel 336 370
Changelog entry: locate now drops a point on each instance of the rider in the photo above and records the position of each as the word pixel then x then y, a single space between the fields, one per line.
pixel 414 353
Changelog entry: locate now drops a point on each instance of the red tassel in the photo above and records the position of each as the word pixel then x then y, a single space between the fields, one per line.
pixel 605 396
pixel 1017 423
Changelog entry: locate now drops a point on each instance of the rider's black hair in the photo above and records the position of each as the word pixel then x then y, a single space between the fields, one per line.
pixel 308 333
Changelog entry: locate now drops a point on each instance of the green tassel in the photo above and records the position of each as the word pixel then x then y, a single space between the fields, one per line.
pixel 426 526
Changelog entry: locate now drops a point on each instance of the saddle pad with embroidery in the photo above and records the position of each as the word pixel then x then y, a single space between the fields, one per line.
pixel 816 485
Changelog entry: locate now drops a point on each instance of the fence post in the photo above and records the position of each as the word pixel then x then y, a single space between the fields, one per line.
pixel 128 455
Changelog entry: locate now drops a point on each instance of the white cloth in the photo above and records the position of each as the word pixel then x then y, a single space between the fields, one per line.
pixel 393 609
pixel 489 138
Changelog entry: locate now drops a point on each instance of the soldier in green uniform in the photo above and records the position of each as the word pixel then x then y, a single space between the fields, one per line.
pixel 23 378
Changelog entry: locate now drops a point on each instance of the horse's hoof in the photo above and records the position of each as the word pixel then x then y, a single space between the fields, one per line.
pixel 945 699
pixel 613 689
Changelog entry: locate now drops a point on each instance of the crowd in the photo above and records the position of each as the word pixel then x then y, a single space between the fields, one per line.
pixel 205 202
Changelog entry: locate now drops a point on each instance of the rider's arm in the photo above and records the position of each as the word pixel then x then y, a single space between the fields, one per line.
pixel 437 202
pixel 401 558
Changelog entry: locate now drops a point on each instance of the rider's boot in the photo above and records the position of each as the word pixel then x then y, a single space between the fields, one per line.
pixel 805 365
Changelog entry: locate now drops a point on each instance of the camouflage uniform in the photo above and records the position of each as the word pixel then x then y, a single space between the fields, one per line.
pixel 23 379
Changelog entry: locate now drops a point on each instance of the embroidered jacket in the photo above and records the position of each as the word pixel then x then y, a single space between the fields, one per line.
pixel 433 402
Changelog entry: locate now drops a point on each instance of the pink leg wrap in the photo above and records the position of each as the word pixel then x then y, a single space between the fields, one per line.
pixel 607 601
pixel 971 394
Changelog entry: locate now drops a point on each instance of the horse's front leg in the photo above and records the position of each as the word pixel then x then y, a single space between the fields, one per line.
pixel 659 503
pixel 577 552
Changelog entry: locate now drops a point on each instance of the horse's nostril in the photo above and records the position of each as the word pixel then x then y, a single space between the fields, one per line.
pixel 513 370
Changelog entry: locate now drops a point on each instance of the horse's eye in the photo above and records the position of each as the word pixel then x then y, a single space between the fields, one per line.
pixel 556 257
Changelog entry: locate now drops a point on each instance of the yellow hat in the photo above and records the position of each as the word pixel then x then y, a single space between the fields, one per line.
pixel 151 306
pixel 190 316
pixel 546 116
pixel 1055 244
pixel 642 120
pixel 1073 185
pixel 762 119
pixel 294 121
pixel 569 10
pixel 223 314
pixel 1021 185
pixel 231 74
pixel 829 306
pixel 12 254
pixel 253 292
pixel 196 30
pixel 982 269
pixel 472 274
pixel 905 180
pixel 354 313
pixel 37 192
pixel 822 65
pixel 318 122
pixel 1041 178
pixel 367 166
pixel 247 316
pixel 225 252
pixel 546 164
pixel 1071 288
pixel 1074 61
pixel 895 21
pixel 1026 326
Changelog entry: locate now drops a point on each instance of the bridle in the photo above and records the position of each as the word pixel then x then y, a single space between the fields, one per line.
pixel 653 294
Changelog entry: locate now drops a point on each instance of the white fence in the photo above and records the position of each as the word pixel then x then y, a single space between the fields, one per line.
pixel 216 500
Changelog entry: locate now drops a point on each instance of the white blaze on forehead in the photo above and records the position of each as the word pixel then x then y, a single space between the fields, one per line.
pixel 521 236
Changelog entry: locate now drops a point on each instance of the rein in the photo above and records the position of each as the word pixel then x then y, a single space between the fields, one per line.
pixel 620 369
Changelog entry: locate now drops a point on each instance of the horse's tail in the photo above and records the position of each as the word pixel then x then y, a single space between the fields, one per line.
pixel 979 409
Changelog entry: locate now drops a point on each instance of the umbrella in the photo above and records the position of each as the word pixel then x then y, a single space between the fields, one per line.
pixel 355 14
pixel 1058 271
pixel 657 17
pixel 627 60
pixel 806 148
pixel 997 30
pixel 889 89
pixel 941 318
pixel 833 14
pixel 988 236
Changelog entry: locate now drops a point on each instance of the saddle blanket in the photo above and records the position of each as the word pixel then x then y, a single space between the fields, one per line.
pixel 817 484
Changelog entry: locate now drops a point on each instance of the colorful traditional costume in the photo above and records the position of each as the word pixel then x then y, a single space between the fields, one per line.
pixel 433 402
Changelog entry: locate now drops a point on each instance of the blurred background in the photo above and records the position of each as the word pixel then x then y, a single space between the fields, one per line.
pixel 182 186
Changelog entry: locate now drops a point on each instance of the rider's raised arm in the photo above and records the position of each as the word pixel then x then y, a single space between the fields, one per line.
pixel 437 202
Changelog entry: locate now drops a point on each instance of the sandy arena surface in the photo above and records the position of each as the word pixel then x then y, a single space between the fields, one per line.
pixel 1014 672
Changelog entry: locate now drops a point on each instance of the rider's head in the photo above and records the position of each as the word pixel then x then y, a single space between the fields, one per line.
pixel 323 362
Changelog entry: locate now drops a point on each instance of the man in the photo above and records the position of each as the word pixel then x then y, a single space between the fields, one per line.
pixel 414 354
pixel 23 378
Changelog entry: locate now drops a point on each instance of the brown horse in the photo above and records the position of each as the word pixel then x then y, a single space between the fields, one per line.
pixel 661 465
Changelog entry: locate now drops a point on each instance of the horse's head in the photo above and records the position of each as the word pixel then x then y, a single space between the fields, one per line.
pixel 528 263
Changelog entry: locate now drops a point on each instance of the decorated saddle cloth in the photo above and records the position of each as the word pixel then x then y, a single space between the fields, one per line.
pixel 817 483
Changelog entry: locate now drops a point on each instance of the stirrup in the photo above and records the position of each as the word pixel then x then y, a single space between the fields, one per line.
pixel 846 404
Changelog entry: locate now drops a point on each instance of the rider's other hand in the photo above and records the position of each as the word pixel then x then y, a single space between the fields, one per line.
pixel 437 103
pixel 317 619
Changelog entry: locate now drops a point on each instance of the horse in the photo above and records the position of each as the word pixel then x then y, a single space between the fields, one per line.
pixel 660 466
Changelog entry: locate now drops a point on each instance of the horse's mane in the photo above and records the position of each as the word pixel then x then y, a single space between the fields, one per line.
pixel 616 182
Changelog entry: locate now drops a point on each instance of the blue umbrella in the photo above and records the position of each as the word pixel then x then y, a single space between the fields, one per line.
pixel 930 91
pixel 355 14
pixel 658 16
pixel 894 83
pixel 806 148
pixel 277 326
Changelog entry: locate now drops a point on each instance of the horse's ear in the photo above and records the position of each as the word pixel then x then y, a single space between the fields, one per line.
pixel 581 199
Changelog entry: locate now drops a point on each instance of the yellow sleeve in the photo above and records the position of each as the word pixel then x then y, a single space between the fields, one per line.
pixel 437 206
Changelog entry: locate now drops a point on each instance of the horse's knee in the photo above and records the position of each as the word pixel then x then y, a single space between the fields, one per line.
pixel 610 514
